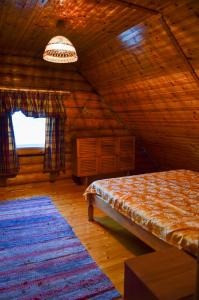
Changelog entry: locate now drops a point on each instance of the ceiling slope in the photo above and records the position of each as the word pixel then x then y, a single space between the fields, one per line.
pixel 148 81
pixel 27 26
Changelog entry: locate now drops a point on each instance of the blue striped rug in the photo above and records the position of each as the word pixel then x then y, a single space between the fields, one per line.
pixel 41 258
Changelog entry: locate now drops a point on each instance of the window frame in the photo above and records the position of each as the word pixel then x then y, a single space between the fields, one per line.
pixel 31 150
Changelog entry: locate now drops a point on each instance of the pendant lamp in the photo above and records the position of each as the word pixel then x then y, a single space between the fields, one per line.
pixel 59 49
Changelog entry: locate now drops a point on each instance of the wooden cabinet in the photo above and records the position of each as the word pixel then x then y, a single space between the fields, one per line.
pixel 100 155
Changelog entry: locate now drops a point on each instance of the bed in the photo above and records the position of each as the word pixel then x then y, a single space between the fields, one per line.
pixel 161 208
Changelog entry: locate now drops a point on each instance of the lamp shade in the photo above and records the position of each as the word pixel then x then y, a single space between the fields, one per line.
pixel 60 50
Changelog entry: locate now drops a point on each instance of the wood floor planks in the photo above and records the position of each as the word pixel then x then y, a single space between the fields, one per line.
pixel 107 242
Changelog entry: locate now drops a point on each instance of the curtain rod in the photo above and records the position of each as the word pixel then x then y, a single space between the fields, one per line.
pixel 35 90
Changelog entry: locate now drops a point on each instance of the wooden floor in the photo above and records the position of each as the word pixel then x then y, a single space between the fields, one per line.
pixel 108 243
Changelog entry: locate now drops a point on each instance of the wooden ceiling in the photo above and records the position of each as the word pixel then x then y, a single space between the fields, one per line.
pixel 149 75
pixel 27 25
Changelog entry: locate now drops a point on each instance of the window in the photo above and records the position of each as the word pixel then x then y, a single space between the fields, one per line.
pixel 29 132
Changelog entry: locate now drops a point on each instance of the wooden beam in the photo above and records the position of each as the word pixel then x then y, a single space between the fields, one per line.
pixel 179 48
pixel 34 90
pixel 139 7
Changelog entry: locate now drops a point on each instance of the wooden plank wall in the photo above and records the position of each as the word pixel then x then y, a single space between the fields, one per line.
pixel 86 115
pixel 142 75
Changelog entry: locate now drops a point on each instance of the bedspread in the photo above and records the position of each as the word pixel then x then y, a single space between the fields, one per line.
pixel 164 203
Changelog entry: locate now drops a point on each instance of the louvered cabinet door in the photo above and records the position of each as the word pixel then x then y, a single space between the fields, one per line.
pixel 84 154
pixel 107 146
pixel 87 147
pixel 87 166
pixel 87 153
pixel 126 155
pixel 107 152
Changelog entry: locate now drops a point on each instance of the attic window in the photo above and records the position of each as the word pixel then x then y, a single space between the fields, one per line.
pixel 29 132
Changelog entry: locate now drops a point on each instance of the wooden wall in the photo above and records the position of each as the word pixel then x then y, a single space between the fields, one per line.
pixel 144 77
pixel 86 114
pixel 136 74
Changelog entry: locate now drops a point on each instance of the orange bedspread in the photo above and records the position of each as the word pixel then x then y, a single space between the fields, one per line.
pixel 164 203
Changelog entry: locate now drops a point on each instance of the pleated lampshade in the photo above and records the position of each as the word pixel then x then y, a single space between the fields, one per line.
pixel 60 50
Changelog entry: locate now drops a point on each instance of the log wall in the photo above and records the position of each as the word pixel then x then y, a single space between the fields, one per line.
pixel 149 74
pixel 86 114
pixel 137 72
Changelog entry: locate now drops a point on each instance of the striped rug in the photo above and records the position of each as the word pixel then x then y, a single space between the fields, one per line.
pixel 41 258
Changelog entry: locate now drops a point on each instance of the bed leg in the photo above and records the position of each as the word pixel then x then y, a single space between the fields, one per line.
pixel 90 210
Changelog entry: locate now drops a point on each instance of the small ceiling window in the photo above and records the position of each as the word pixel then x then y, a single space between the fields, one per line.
pixel 29 132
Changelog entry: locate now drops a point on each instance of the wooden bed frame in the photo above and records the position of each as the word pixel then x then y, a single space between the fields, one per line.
pixel 138 231
pixel 147 237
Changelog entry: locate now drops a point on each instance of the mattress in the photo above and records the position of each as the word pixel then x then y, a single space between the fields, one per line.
pixel 163 203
